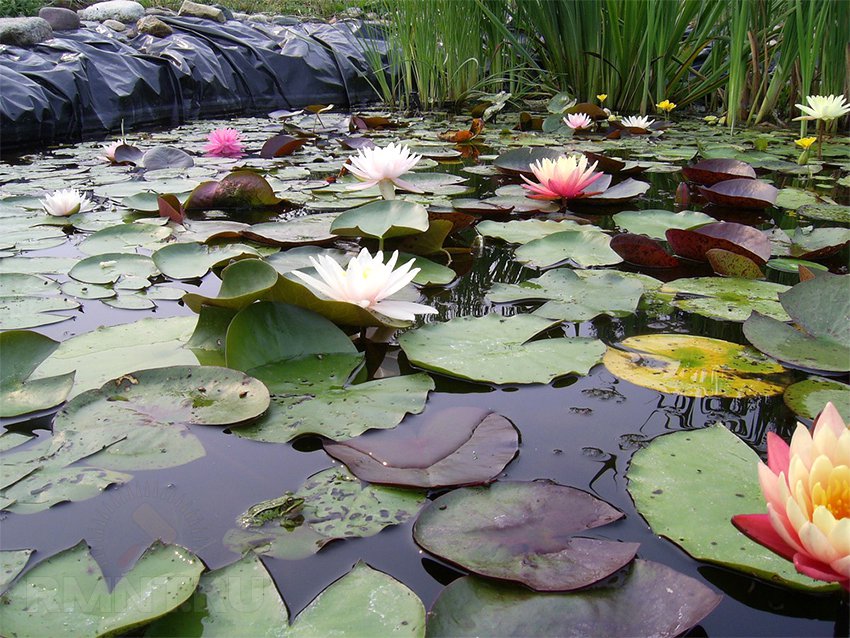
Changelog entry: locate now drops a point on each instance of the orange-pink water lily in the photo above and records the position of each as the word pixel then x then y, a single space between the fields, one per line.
pixel 807 488
pixel 567 177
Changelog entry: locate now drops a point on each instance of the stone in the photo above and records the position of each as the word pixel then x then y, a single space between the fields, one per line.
pixel 286 21
pixel 154 26
pixel 125 11
pixel 197 10
pixel 114 25
pixel 59 18
pixel 23 32
pixel 228 14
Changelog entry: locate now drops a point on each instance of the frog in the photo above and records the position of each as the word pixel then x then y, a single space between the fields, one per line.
pixel 286 509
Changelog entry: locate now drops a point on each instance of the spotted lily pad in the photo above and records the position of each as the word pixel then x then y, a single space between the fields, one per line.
pixel 238 189
pixel 23 351
pixel 584 248
pixel 688 485
pixel 654 223
pixel 827 212
pixel 71 581
pixel 727 299
pixel 651 600
pixel 496 349
pixel 459 446
pixel 310 366
pixel 695 366
pixel 330 505
pixel 728 264
pixel 382 220
pixel 807 398
pixel 524 532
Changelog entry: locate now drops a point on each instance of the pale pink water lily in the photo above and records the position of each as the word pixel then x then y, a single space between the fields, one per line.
pixel 109 150
pixel 367 282
pixel 383 167
pixel 567 177
pixel 63 203
pixel 224 142
pixel 578 121
pixel 807 489
pixel 637 121
pixel 823 107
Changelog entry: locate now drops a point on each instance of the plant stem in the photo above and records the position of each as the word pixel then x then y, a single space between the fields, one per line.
pixel 387 189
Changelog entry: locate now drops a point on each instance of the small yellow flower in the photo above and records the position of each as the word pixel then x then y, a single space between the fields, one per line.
pixel 805 142
pixel 601 97
pixel 666 106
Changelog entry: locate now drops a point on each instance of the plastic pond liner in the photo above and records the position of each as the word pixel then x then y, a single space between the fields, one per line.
pixel 556 450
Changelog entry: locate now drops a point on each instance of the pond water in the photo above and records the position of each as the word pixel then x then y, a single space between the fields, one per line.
pixel 580 430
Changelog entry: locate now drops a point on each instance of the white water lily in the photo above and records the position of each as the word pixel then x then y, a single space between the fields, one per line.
pixel 383 167
pixel 63 203
pixel 637 121
pixel 823 107
pixel 367 282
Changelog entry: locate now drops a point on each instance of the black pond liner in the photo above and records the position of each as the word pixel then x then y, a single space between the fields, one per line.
pixel 82 84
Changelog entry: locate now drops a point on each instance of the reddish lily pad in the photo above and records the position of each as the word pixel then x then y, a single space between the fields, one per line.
pixel 642 251
pixel 239 189
pixel 169 206
pixel 459 446
pixel 651 600
pixel 728 264
pixel 281 145
pixel 736 238
pixel 712 171
pixel 524 532
pixel 741 193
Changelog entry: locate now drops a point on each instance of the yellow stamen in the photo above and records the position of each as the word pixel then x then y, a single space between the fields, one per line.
pixel 835 495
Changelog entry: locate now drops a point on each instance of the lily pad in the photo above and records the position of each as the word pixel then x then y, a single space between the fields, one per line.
pixel 310 366
pixel 282 145
pixel 651 600
pixel 113 267
pixel 688 485
pixel 165 157
pixel 712 171
pixel 299 231
pixel 242 283
pixel 238 189
pixel 190 260
pixel 741 193
pixel 382 220
pixel 695 366
pixel 827 212
pixel 459 446
pixel 728 264
pixel 125 238
pixel 496 349
pixel 524 532
pixel 584 248
pixel 737 238
pixel 807 398
pixel 524 231
pixel 32 311
pixel 819 243
pixel 12 562
pixel 71 581
pixel 23 351
pixel 625 191
pixel 785 264
pixel 642 251
pixel 728 299
pixel 519 160
pixel 654 223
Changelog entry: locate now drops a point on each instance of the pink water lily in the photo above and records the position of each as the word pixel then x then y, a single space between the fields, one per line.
pixel 224 142
pixel 567 177
pixel 578 121
pixel 807 489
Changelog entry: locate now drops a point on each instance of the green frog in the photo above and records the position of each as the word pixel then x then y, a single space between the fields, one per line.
pixel 286 509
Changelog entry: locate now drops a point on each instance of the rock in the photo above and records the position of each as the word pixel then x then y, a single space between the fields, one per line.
pixel 286 21
pixel 59 18
pixel 228 14
pixel 242 17
pixel 23 32
pixel 114 25
pixel 125 11
pixel 153 26
pixel 159 11
pixel 196 10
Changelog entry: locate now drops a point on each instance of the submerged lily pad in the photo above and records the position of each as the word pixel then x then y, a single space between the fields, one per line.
pixel 69 590
pixel 459 446
pixel 585 248
pixel 695 366
pixel 22 352
pixel 496 349
pixel 524 532
pixel 728 299
pixel 651 600
pixel 382 220
pixel 807 398
pixel 688 485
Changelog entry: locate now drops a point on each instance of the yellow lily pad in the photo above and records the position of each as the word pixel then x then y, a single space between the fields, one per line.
pixel 695 366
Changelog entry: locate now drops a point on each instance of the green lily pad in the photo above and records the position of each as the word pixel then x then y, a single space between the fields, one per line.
pixel 309 366
pixel 728 299
pixel 575 296
pixel 382 220
pixel 87 291
pixel 786 264
pixel 807 398
pixel 650 600
pixel 695 366
pixel 818 243
pixel 18 284
pixel 37 265
pixel 524 231
pixel 827 212
pixel 12 562
pixel 113 267
pixel 794 198
pixel 688 485
pixel 23 351
pixel 655 223
pixel 584 248
pixel 108 353
pixel 298 231
pixel 430 272
pixel 71 581
pixel 191 260
pixel 298 258
pixel 153 408
pixel 29 312
pixel 334 506
pixel 125 238
pixel 242 283
pixel 496 349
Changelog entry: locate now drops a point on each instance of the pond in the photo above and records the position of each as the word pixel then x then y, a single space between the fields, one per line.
pixel 493 348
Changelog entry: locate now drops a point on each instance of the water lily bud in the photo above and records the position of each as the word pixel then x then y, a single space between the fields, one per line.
pixel 683 195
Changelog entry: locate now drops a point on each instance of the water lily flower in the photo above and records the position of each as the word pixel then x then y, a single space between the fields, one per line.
pixel 63 203
pixel 807 488
pixel 568 177
pixel 601 97
pixel 109 150
pixel 383 167
pixel 637 121
pixel 224 142
pixel 666 106
pixel 367 282
pixel 805 142
pixel 578 121
pixel 823 107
